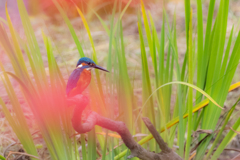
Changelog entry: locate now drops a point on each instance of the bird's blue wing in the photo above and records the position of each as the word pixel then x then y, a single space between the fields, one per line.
pixel 73 79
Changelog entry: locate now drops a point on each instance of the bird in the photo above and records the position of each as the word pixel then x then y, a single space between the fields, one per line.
pixel 81 76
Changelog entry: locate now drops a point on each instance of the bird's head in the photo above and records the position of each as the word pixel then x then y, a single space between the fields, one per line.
pixel 87 63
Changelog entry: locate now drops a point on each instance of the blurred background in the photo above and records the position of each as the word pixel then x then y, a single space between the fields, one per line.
pixel 45 16
pixel 87 6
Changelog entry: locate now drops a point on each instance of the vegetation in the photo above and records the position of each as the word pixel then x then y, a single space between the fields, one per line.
pixel 210 75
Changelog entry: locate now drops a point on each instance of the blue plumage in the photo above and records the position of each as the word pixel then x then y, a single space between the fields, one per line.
pixel 85 60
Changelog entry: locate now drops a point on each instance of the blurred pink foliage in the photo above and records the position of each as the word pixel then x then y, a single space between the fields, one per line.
pixel 86 6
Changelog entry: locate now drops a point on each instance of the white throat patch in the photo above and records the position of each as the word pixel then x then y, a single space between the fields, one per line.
pixel 79 66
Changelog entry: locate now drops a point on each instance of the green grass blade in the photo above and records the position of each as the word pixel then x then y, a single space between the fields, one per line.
pixel 179 98
pixel 161 52
pixel 200 53
pixel 17 121
pixel 187 18
pixel 226 56
pixel 84 151
pixel 92 145
pixel 70 27
pixel 2 158
pixel 222 129
pixel 32 42
pixel 16 45
pixel 105 147
pixel 190 90
pixel 200 56
pixel 145 77
pixel 150 41
pixel 231 134
pixel 125 88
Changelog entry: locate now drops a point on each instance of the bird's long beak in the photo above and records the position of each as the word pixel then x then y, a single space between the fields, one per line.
pixel 98 67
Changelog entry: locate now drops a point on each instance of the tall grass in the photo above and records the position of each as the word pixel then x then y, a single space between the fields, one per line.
pixel 45 95
pixel 46 99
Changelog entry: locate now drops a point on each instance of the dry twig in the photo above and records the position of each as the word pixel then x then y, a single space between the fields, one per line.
pixel 20 153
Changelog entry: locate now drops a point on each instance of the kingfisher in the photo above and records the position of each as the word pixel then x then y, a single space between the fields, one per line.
pixel 81 76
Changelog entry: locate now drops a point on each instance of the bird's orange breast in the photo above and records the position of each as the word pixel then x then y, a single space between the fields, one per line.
pixel 83 82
